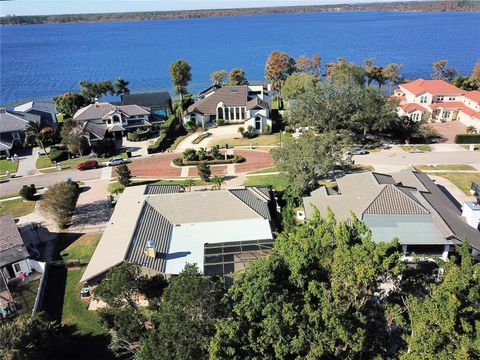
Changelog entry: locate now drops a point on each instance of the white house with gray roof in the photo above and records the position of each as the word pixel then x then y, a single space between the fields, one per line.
pixel 105 120
pixel 161 228
pixel 406 205
pixel 241 104
pixel 12 128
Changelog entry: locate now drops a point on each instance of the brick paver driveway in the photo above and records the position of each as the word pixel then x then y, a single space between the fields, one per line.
pixel 448 130
pixel 160 165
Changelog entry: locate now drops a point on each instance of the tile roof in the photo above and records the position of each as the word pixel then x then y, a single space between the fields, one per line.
pixel 473 95
pixel 101 110
pixel 447 105
pixel 411 107
pixel 436 87
pixel 230 96
pixel 391 200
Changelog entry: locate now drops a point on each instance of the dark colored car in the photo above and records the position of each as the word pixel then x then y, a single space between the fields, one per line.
pixel 89 164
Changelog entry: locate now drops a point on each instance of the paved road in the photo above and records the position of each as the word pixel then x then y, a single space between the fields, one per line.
pixel 43 180
pixel 399 157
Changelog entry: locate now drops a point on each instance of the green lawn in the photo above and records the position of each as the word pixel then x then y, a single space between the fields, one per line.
pixel 44 162
pixel 17 207
pixel 458 167
pixel 261 140
pixel 278 181
pixel 11 166
pixel 461 180
pixel 116 186
pixel 75 311
pixel 416 147
pixel 266 170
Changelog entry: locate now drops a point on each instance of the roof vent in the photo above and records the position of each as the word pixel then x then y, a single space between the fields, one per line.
pixel 150 249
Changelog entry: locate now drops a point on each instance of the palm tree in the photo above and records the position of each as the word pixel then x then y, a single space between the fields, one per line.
pixel 471 130
pixel 121 87
pixel 35 134
pixel 202 153
pixel 188 183
pixel 217 182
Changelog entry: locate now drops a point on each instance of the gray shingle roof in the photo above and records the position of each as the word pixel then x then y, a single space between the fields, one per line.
pixel 230 96
pixel 254 200
pixel 12 247
pixel 96 129
pixel 154 99
pixel 100 110
pixel 10 121
pixel 152 226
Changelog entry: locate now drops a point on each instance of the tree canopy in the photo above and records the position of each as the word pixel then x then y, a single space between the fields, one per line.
pixel 343 73
pixel 297 83
pixel 311 66
pixel 279 65
pixel 219 77
pixel 68 103
pixel 356 108
pixel 441 71
pixel 237 77
pixel 181 76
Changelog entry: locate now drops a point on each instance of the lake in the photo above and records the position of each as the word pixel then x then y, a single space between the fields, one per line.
pixel 38 61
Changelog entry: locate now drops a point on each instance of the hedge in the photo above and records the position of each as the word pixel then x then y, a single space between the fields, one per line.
pixel 467 139
pixel 56 154
pixel 28 192
pixel 235 160
pixel 138 135
pixel 201 137
pixel 167 128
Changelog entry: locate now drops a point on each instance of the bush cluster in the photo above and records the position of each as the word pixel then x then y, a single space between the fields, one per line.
pixel 201 137
pixel 28 192
pixel 167 128
pixel 210 161
pixel 56 154
pixel 467 139
pixel 138 135
pixel 220 122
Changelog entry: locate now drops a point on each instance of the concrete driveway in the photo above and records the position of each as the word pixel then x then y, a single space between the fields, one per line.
pixel 448 130
pixel 218 133
pixel 27 159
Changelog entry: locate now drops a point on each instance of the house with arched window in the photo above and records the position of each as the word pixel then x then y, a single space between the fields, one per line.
pixel 241 104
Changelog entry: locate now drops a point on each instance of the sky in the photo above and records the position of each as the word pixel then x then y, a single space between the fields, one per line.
pixel 41 7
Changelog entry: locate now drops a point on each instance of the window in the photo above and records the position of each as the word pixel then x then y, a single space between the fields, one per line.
pixel 243 113
pixel 446 114
pixel 423 99
pixel 258 123
pixel 17 267
pixel 232 113
pixel 234 91
pixel 227 114
pixel 193 117
pixel 237 113
pixel 220 113
pixel 451 98
pixel 440 98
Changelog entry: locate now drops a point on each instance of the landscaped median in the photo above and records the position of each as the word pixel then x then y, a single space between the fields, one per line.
pixel 192 157
pixel 17 207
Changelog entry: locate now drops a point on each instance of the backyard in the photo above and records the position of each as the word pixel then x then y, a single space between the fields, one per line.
pixel 26 294
pixel 279 182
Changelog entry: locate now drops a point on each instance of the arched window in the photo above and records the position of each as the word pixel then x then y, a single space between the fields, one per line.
pixel 220 113
pixel 116 118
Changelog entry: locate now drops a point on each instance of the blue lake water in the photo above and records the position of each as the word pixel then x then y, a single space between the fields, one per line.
pixel 46 60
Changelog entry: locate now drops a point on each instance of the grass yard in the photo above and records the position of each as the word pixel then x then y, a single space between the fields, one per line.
pixel 458 167
pixel 82 249
pixel 279 182
pixel 11 166
pixel 263 171
pixel 44 162
pixel 416 148
pixel 17 207
pixel 461 180
pixel 261 140
pixel 117 187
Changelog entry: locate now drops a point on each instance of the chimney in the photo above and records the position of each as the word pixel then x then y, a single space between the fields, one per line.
pixel 150 249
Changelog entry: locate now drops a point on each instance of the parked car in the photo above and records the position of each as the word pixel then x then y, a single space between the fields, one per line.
pixel 357 151
pixel 117 160
pixel 87 165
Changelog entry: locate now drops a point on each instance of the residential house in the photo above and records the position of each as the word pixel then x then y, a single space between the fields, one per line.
pixel 159 103
pixel 12 129
pixel 438 101
pixel 406 205
pixel 15 258
pixel 161 229
pixel 107 121
pixel 46 110
pixel 241 104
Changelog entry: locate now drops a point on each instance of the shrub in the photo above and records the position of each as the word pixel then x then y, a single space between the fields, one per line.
pixel 167 128
pixel 235 159
pixel 138 135
pixel 201 137
pixel 59 201
pixel 192 126
pixel 27 192
pixel 215 153
pixel 204 171
pixel 190 154
pixel 220 122
pixel 202 154
pixel 124 175
pixel 157 146
pixel 56 154
pixel 105 148
pixel 467 139
pixel 266 129
pixel 178 161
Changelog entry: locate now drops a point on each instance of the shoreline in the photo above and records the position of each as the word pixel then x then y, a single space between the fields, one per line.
pixel 428 6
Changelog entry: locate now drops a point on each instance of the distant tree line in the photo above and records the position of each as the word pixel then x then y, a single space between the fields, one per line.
pixel 463 5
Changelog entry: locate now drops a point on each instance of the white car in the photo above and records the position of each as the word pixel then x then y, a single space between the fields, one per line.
pixel 115 161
